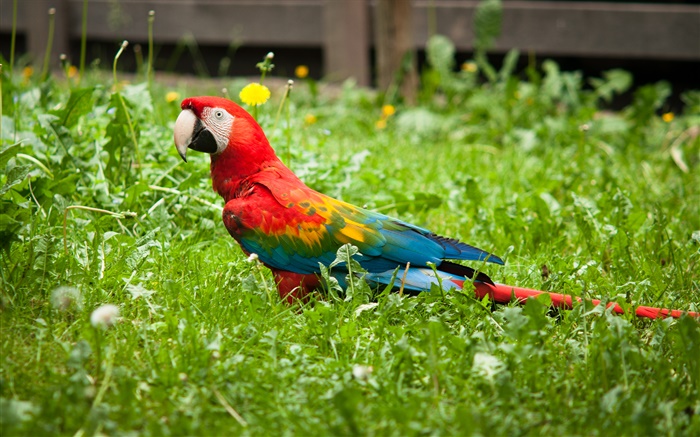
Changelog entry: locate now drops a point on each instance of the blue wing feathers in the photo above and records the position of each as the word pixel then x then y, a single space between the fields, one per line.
pixel 385 243
pixel 436 246
pixel 411 247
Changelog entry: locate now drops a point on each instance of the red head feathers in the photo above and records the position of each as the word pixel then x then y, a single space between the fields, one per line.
pixel 236 143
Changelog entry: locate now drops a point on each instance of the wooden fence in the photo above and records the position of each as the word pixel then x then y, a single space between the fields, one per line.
pixel 342 28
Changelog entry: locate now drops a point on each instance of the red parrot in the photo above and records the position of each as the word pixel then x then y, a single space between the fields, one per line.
pixel 292 228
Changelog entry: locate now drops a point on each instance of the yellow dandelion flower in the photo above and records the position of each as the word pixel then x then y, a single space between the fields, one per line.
pixel 668 117
pixel 380 124
pixel 388 110
pixel 470 67
pixel 301 71
pixel 27 72
pixel 310 119
pixel 172 96
pixel 254 94
pixel 72 71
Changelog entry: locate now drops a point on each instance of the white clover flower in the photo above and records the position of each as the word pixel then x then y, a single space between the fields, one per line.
pixel 105 316
pixel 361 372
pixel 253 257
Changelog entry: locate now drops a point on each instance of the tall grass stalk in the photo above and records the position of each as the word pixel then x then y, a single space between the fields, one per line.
pixel 285 104
pixel 14 36
pixel 49 43
pixel 138 55
pixel 123 46
pixel 65 65
pixel 149 72
pixel 83 42
pixel 132 132
pixel 288 129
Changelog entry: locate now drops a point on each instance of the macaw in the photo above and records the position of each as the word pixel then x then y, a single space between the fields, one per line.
pixel 292 228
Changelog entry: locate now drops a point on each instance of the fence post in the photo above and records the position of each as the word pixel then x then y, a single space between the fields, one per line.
pixel 346 40
pixel 395 47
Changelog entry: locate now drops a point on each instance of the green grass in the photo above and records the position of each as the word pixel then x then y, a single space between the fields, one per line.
pixel 532 169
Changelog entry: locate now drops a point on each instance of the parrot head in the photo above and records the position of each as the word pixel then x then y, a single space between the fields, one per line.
pixel 233 139
pixel 215 125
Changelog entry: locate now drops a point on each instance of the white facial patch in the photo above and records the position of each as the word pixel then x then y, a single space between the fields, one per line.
pixel 219 122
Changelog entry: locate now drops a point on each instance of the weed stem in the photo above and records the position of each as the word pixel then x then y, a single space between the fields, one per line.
pixel 132 132
pixel 229 409
pixel 287 92
pixel 14 36
pixel 49 44
pixel 116 58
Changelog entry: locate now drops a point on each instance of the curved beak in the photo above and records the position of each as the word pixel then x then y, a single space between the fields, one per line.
pixel 190 133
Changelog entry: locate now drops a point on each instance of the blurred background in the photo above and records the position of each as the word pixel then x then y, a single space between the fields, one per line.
pixel 370 41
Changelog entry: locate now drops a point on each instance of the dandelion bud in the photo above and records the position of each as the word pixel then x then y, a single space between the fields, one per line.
pixel 104 316
pixel 269 56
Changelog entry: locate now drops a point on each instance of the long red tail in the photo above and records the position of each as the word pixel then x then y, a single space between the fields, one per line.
pixel 502 293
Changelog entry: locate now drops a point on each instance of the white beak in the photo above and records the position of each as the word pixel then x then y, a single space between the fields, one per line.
pixel 184 130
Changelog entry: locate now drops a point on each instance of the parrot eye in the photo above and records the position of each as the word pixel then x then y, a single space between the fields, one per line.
pixel 219 114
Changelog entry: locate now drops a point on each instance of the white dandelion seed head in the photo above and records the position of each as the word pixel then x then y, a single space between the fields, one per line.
pixel 361 372
pixel 253 257
pixel 63 298
pixel 487 365
pixel 105 316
